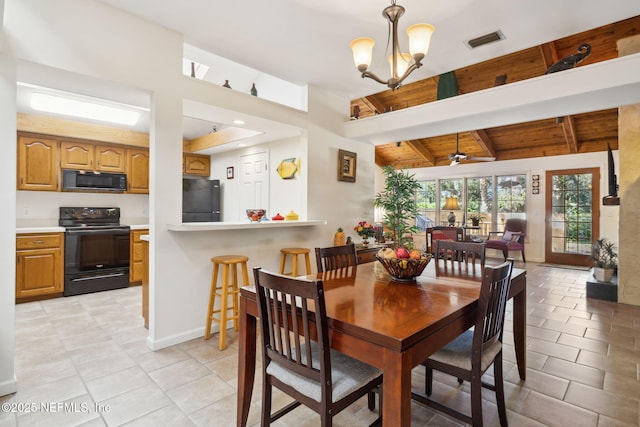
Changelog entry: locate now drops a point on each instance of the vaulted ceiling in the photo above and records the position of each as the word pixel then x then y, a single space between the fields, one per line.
pixel 579 133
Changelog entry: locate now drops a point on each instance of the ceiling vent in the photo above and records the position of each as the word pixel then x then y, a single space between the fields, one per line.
pixel 486 39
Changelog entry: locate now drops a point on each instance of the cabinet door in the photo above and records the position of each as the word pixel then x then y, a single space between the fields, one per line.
pixel 38 272
pixel 76 155
pixel 110 159
pixel 138 171
pixel 37 164
pixel 197 164
pixel 137 262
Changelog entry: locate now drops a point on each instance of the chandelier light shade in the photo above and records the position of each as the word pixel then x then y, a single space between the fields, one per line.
pixel 451 204
pixel 402 64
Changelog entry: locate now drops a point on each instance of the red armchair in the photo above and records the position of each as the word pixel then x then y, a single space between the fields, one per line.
pixel 512 239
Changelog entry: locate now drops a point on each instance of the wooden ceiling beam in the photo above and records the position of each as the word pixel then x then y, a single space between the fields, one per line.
pixel 484 141
pixel 569 131
pixel 371 102
pixel 422 151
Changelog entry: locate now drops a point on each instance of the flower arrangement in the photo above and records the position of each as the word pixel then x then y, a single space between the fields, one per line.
pixel 365 230
pixel 475 216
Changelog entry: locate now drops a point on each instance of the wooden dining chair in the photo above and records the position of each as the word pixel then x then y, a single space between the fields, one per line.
pixel 336 257
pixel 297 356
pixel 475 350
pixel 458 256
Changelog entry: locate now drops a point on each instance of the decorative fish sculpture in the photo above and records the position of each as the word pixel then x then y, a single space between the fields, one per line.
pixel 288 168
pixel 570 61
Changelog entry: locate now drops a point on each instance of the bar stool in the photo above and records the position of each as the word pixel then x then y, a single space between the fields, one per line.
pixel 223 291
pixel 294 261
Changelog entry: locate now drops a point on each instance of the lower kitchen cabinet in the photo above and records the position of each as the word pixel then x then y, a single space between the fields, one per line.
pixel 39 265
pixel 137 264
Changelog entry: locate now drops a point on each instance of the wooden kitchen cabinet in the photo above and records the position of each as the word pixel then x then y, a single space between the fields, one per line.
pixel 110 158
pixel 39 265
pixel 87 156
pixel 196 164
pixel 138 171
pixel 137 264
pixel 37 163
pixel 77 155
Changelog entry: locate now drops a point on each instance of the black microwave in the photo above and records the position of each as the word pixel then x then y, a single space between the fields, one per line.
pixel 78 180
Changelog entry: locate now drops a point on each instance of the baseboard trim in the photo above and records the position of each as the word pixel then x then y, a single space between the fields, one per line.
pixel 165 342
pixel 9 387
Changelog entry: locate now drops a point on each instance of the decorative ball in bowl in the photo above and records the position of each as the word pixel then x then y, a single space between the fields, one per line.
pixel 402 264
pixel 255 214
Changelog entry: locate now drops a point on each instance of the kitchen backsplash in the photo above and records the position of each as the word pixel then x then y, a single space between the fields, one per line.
pixel 45 204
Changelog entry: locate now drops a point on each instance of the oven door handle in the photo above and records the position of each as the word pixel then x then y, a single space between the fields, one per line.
pixel 103 276
pixel 97 231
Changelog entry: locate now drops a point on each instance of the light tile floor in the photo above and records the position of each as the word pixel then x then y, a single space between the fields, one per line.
pixel 83 361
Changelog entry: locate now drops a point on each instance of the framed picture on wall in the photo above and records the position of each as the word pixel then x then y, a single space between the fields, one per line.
pixel 347 166
pixel 230 172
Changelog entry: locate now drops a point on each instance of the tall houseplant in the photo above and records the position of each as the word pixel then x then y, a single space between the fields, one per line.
pixel 399 204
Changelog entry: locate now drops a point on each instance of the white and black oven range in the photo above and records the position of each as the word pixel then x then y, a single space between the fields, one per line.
pixel 96 250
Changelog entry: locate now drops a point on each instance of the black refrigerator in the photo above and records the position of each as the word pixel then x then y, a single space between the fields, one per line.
pixel 200 200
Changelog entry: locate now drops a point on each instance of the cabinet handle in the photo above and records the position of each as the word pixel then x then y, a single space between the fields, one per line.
pixel 38 242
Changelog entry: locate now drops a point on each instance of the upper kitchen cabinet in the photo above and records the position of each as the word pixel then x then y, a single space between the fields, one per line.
pixel 86 156
pixel 37 164
pixel 196 164
pixel 138 171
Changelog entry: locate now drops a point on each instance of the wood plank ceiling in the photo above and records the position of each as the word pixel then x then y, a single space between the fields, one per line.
pixel 582 133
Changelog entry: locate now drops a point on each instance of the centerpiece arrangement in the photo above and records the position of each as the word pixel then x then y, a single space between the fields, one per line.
pixel 403 262
pixel 365 230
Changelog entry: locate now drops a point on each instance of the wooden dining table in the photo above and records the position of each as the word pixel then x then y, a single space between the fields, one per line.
pixel 391 325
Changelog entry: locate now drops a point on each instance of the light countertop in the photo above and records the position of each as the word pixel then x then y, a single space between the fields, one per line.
pixel 244 225
pixel 50 225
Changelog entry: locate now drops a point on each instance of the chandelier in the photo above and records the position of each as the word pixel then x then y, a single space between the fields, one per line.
pixel 402 64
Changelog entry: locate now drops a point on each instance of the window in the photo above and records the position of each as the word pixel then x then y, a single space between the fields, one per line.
pixel 451 190
pixel 511 194
pixel 480 201
pixel 496 198
pixel 426 202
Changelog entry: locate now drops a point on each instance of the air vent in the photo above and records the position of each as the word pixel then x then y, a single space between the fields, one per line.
pixel 486 39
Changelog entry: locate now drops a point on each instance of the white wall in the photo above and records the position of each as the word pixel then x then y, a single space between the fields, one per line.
pixel 284 194
pixel 535 208
pixel 45 204
pixel 7 224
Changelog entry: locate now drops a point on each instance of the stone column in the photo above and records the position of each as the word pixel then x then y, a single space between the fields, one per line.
pixel 629 181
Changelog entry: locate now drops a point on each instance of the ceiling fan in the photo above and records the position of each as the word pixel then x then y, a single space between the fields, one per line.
pixel 458 156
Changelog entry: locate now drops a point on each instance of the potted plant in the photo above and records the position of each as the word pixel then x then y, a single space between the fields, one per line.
pixel 400 211
pixel 475 218
pixel 399 204
pixel 605 259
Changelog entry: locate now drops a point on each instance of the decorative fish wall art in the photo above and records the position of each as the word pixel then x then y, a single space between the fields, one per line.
pixel 288 168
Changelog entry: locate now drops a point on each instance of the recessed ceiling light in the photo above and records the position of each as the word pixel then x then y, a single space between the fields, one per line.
pixel 88 110
pixel 238 122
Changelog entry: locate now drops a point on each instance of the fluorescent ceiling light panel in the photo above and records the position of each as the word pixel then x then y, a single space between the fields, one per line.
pixel 88 110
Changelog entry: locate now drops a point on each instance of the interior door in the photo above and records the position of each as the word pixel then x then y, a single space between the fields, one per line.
pixel 573 215
pixel 254 188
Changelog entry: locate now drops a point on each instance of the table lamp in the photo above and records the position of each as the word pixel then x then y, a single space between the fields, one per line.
pixel 451 204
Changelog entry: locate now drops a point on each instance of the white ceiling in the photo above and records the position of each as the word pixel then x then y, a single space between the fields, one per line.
pixel 306 41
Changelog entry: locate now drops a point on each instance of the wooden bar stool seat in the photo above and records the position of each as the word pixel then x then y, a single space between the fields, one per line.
pixel 294 252
pixel 225 290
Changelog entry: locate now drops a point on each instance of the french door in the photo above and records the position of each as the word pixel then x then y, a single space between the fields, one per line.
pixel 572 215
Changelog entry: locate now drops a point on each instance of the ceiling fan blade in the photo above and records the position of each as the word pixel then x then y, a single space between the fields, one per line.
pixel 482 159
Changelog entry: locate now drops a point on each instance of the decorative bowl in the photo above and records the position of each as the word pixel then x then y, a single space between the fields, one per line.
pixel 405 269
pixel 255 214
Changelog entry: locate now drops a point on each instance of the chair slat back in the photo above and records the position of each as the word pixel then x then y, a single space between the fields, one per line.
pixel 492 303
pixel 456 255
pixel 292 312
pixel 336 257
